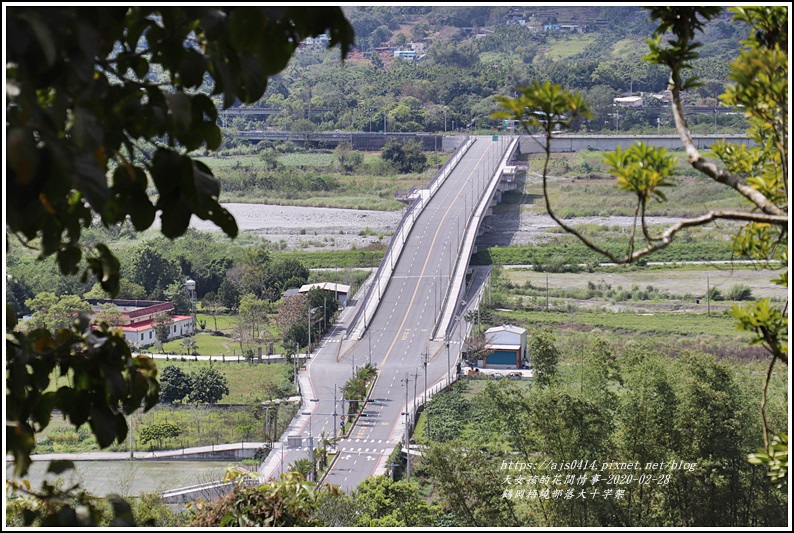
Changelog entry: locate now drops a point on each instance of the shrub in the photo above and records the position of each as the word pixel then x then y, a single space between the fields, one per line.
pixel 739 293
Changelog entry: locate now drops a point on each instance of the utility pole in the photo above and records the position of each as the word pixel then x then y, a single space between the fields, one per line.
pixel 708 296
pixel 309 324
pixel 334 411
pixel 424 363
pixel 413 403
pixel 131 456
pixel 547 291
pixel 449 370
pixel 407 434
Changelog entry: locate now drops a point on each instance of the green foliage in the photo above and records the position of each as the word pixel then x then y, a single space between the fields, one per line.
pixel 775 458
pixel 348 159
pixel 544 105
pixel 446 416
pixel 159 432
pixel 759 77
pixel 691 410
pixel 65 141
pixel 406 157
pixel 642 169
pixel 207 385
pixel 289 502
pixel 543 357
pixel 381 502
pixel 106 383
pixel 768 325
pixel 52 312
pixel 153 271
pixel 174 384
pixel 53 507
pixel 739 292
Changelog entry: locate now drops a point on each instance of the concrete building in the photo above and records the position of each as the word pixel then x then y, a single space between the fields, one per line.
pixel 138 317
pixel 508 347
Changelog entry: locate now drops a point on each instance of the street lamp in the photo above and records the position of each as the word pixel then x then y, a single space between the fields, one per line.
pixel 190 288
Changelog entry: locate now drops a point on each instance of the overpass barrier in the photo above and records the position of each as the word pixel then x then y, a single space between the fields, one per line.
pixel 450 302
pixel 383 276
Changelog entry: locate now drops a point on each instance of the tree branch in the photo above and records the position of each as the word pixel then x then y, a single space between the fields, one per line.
pixel 710 169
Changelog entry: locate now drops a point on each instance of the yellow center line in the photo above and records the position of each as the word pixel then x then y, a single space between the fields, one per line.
pixel 427 260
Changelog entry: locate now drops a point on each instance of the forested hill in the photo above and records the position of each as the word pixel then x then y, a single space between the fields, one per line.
pixel 456 59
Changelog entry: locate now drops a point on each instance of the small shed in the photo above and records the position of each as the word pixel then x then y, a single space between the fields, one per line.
pixel 508 347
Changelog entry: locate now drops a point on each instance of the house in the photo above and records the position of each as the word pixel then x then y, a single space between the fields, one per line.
pixel 340 292
pixel 516 17
pixel 138 317
pixel 405 54
pixel 508 347
pixel 572 28
pixel 630 101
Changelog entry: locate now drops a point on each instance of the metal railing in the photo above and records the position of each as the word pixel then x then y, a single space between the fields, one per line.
pixel 476 213
pixel 409 213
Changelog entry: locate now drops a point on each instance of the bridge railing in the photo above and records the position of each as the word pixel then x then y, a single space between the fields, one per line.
pixel 398 241
pixel 469 235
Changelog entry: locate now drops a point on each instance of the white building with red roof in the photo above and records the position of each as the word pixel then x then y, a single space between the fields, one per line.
pixel 138 319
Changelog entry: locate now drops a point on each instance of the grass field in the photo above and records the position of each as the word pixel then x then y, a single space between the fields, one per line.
pixel 573 194
pixel 689 324
pixel 371 186
pixel 677 282
pixel 565 47
pixel 249 385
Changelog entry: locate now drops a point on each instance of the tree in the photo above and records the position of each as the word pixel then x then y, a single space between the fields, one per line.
pixel 289 502
pixel 213 306
pixel 348 158
pixel 153 271
pixel 543 357
pixel 207 386
pixel 758 174
pixel 127 291
pixel 381 502
pixel 174 384
pixel 291 319
pixel 109 313
pixel 252 318
pixel 162 328
pixel 53 312
pixel 475 348
pixel 159 432
pixel 177 295
pixel 89 121
pixel 405 158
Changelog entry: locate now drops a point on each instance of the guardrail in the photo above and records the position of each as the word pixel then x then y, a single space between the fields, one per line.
pixel 404 227
pixel 466 243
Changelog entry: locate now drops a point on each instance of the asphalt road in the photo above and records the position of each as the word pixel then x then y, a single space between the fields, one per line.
pixel 398 336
